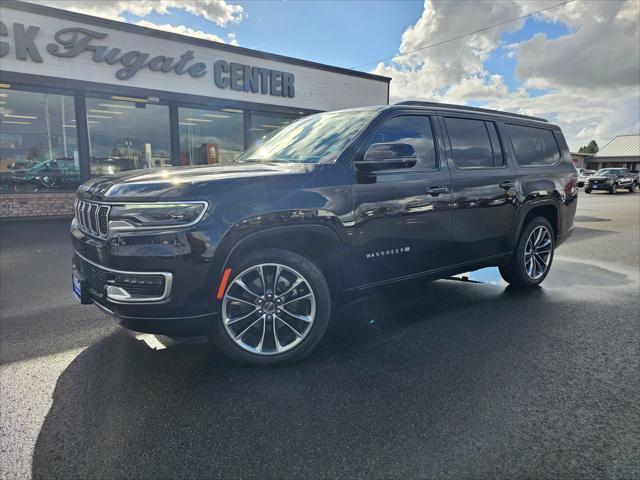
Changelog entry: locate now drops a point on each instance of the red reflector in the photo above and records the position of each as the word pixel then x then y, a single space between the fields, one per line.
pixel 223 283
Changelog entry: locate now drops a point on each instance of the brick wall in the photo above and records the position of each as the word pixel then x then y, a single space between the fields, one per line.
pixel 36 204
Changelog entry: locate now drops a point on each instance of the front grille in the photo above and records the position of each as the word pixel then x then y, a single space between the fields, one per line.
pixel 96 277
pixel 92 218
pixel 136 284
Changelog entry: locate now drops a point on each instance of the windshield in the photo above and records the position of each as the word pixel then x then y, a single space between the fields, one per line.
pixel 607 171
pixel 318 138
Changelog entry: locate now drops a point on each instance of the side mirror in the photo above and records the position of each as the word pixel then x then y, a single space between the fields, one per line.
pixel 385 156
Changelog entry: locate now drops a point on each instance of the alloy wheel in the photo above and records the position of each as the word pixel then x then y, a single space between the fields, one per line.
pixel 537 252
pixel 268 309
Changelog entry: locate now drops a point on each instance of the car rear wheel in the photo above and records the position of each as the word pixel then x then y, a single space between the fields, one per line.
pixel 586 190
pixel 48 178
pixel 274 310
pixel 531 261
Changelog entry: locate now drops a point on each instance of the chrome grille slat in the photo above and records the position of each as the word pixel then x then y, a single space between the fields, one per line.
pixel 92 217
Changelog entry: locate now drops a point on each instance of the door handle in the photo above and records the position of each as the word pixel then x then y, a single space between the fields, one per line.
pixel 435 191
pixel 507 185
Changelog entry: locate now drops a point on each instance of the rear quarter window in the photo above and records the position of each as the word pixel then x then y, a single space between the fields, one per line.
pixel 533 146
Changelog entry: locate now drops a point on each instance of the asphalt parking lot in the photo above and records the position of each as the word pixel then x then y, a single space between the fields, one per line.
pixel 449 379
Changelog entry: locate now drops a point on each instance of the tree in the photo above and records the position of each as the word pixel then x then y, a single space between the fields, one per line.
pixel 591 148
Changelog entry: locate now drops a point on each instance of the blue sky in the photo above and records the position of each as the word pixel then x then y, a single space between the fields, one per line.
pixel 318 31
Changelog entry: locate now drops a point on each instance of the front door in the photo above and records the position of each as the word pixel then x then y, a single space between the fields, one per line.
pixel 403 216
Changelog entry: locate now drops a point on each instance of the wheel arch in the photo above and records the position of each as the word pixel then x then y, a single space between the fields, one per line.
pixel 547 209
pixel 320 243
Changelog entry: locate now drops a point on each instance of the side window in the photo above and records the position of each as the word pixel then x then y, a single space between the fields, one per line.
pixel 533 146
pixel 474 143
pixel 414 130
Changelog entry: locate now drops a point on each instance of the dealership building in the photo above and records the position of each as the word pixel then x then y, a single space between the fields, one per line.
pixel 82 96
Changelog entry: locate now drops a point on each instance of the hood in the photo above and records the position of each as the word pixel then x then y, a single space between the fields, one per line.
pixel 152 184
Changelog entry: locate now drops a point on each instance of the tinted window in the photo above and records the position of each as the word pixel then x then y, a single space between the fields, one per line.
pixel 414 130
pixel 533 146
pixel 471 145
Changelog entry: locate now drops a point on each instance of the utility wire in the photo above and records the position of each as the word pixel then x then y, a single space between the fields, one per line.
pixel 464 35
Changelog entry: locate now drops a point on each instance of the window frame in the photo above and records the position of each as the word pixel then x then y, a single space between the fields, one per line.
pixel 513 148
pixel 491 144
pixel 382 120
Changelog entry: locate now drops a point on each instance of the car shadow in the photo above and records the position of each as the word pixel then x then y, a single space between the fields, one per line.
pixel 394 375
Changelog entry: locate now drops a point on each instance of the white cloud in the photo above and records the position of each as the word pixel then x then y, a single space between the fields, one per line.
pixel 592 75
pixel 182 30
pixel 218 11
pixel 232 38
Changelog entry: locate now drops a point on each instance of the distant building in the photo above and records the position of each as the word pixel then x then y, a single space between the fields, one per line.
pixel 580 158
pixel 622 151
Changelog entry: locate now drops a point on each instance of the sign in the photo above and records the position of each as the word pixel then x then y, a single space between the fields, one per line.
pixel 75 41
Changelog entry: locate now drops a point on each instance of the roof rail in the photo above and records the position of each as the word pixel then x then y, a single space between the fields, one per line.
pixel 466 108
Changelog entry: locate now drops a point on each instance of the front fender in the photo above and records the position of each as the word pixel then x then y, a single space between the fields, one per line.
pixel 281 229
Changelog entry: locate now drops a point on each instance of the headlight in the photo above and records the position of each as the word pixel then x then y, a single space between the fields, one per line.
pixel 134 216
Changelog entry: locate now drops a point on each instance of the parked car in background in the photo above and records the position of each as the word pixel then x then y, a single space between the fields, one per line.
pixel 257 254
pixel 611 180
pixel 583 174
pixel 58 173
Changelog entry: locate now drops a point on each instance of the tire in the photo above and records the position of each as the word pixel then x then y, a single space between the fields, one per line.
pixel 48 179
pixel 249 338
pixel 587 191
pixel 516 270
pixel 614 189
pixel 631 189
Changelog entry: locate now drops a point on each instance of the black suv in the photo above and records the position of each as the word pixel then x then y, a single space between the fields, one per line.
pixel 257 253
pixel 610 180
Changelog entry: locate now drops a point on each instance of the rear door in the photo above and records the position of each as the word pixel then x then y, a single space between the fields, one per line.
pixel 626 180
pixel 403 216
pixel 485 206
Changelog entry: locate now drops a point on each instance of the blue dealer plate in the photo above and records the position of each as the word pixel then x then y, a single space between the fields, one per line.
pixel 77 287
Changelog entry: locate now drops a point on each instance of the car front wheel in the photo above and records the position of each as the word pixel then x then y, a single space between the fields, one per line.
pixel 274 310
pixel 614 189
pixel 531 261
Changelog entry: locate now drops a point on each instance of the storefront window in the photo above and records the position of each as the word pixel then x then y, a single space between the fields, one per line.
pixel 210 136
pixel 264 124
pixel 38 143
pixel 127 134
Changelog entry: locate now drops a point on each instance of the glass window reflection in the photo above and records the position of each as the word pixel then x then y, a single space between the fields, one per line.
pixel 210 136
pixel 126 135
pixel 318 138
pixel 38 142
pixel 263 124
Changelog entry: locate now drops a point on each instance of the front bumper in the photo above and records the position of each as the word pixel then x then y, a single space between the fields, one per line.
pixel 174 327
pixel 159 282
